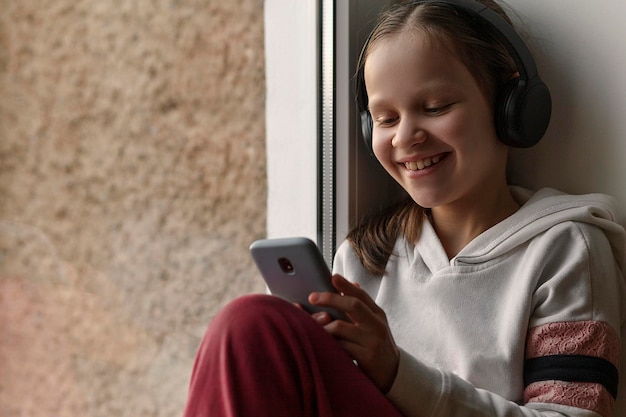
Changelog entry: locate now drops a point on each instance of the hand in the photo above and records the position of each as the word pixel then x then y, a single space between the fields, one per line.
pixel 368 338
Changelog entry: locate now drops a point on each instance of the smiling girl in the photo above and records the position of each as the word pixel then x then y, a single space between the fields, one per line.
pixel 470 298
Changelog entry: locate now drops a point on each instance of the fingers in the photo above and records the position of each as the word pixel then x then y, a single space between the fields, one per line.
pixel 349 305
pixel 344 286
pixel 361 309
pixel 352 300
pixel 367 338
pixel 323 318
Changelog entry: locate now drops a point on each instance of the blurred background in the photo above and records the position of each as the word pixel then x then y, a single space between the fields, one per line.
pixel 132 180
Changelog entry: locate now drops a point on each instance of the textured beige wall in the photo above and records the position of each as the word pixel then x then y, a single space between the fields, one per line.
pixel 132 180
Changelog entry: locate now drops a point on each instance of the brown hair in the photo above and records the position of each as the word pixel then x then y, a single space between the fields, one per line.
pixel 485 57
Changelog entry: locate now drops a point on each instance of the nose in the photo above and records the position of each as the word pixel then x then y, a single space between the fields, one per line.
pixel 408 134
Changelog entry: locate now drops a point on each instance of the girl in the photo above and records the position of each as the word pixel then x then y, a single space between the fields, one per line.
pixel 471 298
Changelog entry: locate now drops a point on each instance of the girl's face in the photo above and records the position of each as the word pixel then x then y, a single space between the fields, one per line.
pixel 433 124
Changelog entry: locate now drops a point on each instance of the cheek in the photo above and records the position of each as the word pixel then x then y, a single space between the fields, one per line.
pixel 472 134
pixel 381 145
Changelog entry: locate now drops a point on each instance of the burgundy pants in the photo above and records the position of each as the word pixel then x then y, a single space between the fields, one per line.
pixel 261 356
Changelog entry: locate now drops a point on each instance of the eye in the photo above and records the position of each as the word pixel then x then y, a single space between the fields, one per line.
pixel 386 120
pixel 437 110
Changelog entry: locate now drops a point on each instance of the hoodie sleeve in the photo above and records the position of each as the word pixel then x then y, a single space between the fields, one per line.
pixel 574 346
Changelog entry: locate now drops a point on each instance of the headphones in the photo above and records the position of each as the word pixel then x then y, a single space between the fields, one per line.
pixel 523 106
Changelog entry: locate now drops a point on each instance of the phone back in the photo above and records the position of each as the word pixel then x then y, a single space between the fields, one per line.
pixel 292 268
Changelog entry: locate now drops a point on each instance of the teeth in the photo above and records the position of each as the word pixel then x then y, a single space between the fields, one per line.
pixel 422 163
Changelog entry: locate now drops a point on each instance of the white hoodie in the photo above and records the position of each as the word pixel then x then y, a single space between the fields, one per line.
pixel 543 289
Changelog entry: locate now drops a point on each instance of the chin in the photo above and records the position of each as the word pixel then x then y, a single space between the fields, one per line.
pixel 423 201
pixel 431 198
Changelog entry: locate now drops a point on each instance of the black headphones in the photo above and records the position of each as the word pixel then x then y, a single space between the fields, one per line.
pixel 523 106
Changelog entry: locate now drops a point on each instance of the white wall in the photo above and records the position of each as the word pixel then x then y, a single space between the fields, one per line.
pixel 579 47
pixel 291 46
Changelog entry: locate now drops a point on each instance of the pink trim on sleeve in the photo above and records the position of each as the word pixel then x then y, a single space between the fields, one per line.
pixel 588 338
pixel 588 396
pixel 579 338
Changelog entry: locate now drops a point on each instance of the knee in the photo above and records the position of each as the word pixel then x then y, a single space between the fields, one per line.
pixel 254 304
pixel 248 319
pixel 254 310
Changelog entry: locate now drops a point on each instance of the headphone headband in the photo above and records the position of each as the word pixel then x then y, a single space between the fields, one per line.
pixel 514 44
pixel 523 107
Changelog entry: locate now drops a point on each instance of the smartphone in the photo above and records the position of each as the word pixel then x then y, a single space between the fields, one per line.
pixel 293 268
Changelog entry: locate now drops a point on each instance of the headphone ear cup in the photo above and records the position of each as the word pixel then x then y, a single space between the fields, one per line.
pixel 367 126
pixel 500 111
pixel 522 112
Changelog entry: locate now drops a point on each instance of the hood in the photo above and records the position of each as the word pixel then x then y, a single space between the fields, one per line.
pixel 539 212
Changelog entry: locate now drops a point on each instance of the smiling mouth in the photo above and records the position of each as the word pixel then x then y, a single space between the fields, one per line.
pixel 422 163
